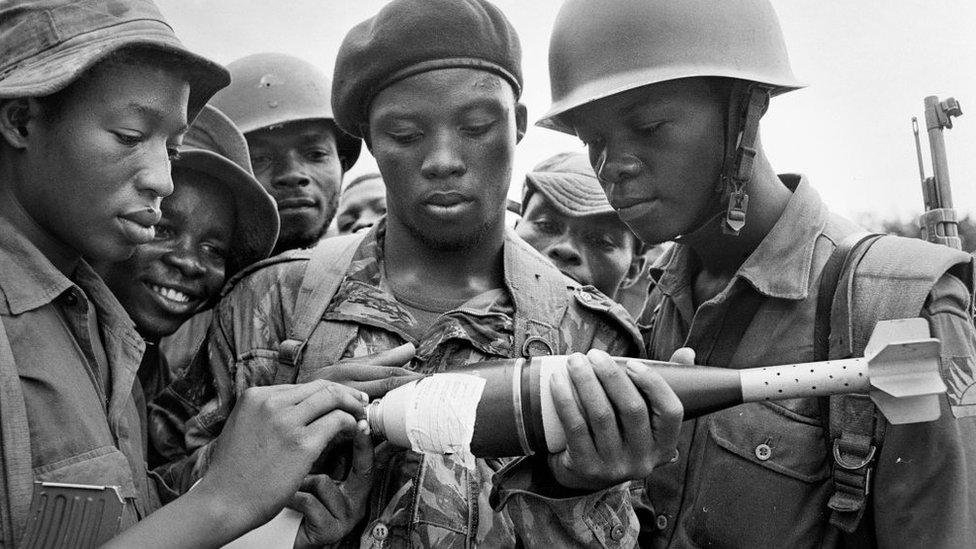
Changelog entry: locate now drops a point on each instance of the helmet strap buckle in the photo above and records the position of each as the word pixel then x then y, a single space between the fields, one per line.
pixel 748 107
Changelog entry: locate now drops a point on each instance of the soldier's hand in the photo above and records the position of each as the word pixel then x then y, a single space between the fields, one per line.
pixel 270 441
pixel 622 424
pixel 374 374
pixel 331 508
pixel 683 355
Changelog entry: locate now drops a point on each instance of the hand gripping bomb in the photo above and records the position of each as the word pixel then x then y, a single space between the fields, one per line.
pixel 504 407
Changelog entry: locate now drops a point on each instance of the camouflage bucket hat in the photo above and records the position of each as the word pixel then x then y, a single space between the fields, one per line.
pixel 45 45
pixel 216 147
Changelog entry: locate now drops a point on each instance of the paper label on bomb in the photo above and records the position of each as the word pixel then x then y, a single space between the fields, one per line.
pixel 441 415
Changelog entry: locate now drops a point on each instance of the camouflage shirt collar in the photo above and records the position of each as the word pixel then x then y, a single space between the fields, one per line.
pixel 364 297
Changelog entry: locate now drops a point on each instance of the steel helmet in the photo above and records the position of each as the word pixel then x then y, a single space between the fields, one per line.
pixel 603 47
pixel 269 89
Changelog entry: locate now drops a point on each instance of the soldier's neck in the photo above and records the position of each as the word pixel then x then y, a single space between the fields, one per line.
pixel 448 273
pixel 59 254
pixel 720 255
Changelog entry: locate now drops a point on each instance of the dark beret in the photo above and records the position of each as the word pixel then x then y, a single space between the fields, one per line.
pixel 408 37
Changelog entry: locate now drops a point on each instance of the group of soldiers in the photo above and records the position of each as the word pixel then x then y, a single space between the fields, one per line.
pixel 180 323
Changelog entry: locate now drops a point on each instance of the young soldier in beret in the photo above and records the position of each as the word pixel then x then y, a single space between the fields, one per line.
pixel 668 96
pixel 94 99
pixel 362 204
pixel 566 217
pixel 433 87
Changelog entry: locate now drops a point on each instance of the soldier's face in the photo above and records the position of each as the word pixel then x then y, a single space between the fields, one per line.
pixel 362 206
pixel 595 249
pixel 298 164
pixel 444 141
pixel 98 167
pixel 658 152
pixel 169 279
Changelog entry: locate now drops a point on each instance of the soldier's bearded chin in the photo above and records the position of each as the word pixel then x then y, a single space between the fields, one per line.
pixel 308 238
pixel 459 241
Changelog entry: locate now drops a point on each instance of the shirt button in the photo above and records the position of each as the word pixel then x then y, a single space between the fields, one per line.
pixel 661 522
pixel 71 299
pixel 617 532
pixel 380 531
pixel 764 452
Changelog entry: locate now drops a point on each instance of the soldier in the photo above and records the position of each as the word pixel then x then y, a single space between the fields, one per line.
pixel 361 204
pixel 218 220
pixel 667 97
pixel 566 217
pixel 95 97
pixel 282 105
pixel 433 86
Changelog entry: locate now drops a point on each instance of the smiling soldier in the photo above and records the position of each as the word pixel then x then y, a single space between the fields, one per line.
pixel 218 220
pixel 433 87
pixel 95 97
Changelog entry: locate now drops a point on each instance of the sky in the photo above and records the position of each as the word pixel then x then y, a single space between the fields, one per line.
pixel 868 65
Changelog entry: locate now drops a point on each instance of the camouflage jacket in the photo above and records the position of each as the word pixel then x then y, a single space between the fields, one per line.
pixel 417 500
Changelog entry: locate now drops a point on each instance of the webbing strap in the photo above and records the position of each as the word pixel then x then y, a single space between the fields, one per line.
pixel 325 271
pixel 540 296
pixel 16 473
pixel 740 168
pixel 854 433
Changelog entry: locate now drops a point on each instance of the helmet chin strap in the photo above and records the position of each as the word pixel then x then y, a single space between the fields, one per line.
pixel 747 104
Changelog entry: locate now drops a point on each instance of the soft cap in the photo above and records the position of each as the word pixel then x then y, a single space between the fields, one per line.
pixel 214 146
pixel 568 182
pixel 408 37
pixel 45 45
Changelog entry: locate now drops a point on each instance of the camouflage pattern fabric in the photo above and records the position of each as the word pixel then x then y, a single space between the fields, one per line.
pixel 417 500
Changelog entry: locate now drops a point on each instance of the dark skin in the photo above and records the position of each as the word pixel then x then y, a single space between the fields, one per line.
pixel 658 152
pixel 168 280
pixel 593 249
pixel 112 139
pixel 444 141
pixel 299 165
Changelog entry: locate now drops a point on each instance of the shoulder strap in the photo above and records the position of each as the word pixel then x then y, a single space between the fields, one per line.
pixel 853 432
pixel 541 298
pixel 889 278
pixel 16 473
pixel 325 271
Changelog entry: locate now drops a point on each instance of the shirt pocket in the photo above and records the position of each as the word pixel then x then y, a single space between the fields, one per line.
pixel 763 479
pixel 103 466
pixel 255 368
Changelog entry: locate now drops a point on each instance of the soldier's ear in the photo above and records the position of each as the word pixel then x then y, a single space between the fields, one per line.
pixel 521 121
pixel 15 118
